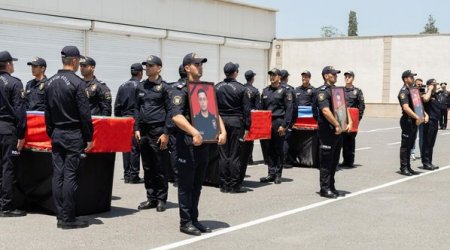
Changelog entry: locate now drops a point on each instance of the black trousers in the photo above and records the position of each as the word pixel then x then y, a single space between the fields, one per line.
pixel 131 161
pixel 67 150
pixel 348 148
pixel 155 163
pixel 275 151
pixel 229 161
pixel 8 143
pixel 192 163
pixel 443 119
pixel 173 157
pixel 246 152
pixel 409 133
pixel 265 150
pixel 430 131
pixel 330 149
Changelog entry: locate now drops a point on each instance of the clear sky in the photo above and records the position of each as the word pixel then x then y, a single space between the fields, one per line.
pixel 304 18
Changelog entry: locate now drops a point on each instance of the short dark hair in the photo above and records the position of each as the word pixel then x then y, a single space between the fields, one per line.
pixel 3 65
pixel 201 91
pixel 67 60
pixel 418 80
pixel 249 78
pixel 135 73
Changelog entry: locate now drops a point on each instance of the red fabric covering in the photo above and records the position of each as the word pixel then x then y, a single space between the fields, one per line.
pixel 305 123
pixel 110 134
pixel 261 126
pixel 354 114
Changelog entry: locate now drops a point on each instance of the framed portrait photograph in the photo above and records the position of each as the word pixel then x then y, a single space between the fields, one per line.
pixel 339 107
pixel 204 111
pixel 417 102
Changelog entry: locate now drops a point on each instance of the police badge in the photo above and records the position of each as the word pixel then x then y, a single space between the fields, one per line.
pixel 355 92
pixel 41 86
pixel 94 87
pixel 158 87
pixel 214 123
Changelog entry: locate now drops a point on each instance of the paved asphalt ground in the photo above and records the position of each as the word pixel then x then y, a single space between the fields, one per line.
pixel 384 210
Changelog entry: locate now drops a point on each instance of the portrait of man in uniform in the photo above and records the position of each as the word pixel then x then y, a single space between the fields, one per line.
pixel 339 107
pixel 204 111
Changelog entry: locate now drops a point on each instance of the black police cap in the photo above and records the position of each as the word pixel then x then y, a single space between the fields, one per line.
pixel 136 67
pixel 6 57
pixel 443 84
pixel 351 73
pixel 249 74
pixel 330 70
pixel 230 68
pixel 408 73
pixel 37 62
pixel 274 71
pixel 88 61
pixel 182 72
pixel 306 73
pixel 431 81
pixel 71 51
pixel 193 58
pixel 153 60
pixel 284 73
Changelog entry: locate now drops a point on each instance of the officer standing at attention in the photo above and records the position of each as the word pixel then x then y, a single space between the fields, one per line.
pixel 152 132
pixel 444 100
pixel 330 139
pixel 277 99
pixel 233 101
pixel 408 122
pixel 98 93
pixel 173 136
pixel 13 124
pixel 69 125
pixel 430 129
pixel 354 98
pixel 191 152
pixel 34 90
pixel 255 104
pixel 124 106
pixel 288 160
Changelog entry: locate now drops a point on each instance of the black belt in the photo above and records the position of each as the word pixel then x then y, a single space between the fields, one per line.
pixel 70 126
pixel 151 126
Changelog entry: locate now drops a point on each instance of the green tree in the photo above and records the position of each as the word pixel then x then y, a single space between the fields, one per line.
pixel 352 24
pixel 430 27
pixel 330 31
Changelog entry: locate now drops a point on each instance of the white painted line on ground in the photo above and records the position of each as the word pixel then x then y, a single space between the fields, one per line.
pixel 290 212
pixel 448 133
pixel 393 143
pixel 364 148
pixel 378 129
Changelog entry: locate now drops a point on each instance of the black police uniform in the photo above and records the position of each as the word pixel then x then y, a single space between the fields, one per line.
pixel 192 161
pixel 233 101
pixel 152 120
pixel 409 131
pixel 34 93
pixel 354 98
pixel 288 159
pixel 69 125
pixel 247 146
pixel 124 106
pixel 99 97
pixel 207 125
pixel 330 143
pixel 279 101
pixel 12 127
pixel 444 100
pixel 430 130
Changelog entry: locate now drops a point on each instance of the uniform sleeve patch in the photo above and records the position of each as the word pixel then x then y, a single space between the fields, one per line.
pixel 402 96
pixel 289 96
pixel 108 95
pixel 176 100
pixel 321 97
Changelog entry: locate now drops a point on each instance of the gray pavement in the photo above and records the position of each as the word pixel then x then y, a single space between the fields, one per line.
pixel 411 214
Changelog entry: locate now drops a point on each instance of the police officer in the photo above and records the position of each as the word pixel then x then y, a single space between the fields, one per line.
pixel 444 100
pixel 152 132
pixel 124 106
pixel 98 92
pixel 191 152
pixel 303 96
pixel 329 134
pixel 233 101
pixel 172 137
pixel 12 131
pixel 277 99
pixel 69 125
pixel 255 104
pixel 288 159
pixel 430 129
pixel 408 122
pixel 354 98
pixel 34 90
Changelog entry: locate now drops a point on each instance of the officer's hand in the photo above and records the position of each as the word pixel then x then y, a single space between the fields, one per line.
pixel 20 144
pixel 281 131
pixel 137 135
pixel 245 135
pixel 348 128
pixel 338 130
pixel 163 140
pixel 418 121
pixel 222 139
pixel 88 147
pixel 197 139
pixel 427 118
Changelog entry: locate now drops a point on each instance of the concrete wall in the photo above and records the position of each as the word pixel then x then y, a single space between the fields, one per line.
pixel 211 17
